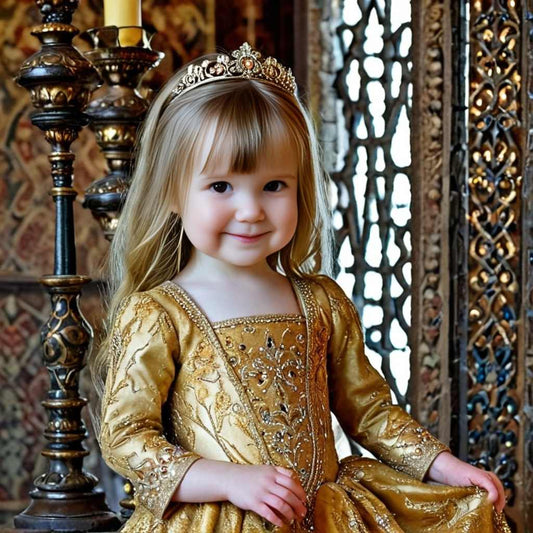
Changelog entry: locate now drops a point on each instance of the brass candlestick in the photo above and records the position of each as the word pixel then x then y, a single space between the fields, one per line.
pixel 60 81
pixel 116 110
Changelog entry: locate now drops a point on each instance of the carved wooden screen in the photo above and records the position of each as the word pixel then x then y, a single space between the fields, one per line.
pixel 373 177
pixel 464 200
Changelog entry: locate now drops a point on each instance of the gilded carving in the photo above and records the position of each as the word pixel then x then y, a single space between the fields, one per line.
pixel 66 337
pixel 59 96
pixel 495 184
pixel 61 56
pixel 116 113
pixel 108 221
pixel 63 136
pixel 71 480
pixel 116 133
pixel 53 27
pixel 62 425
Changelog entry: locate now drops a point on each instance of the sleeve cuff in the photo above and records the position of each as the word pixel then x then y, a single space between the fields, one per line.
pixel 418 456
pixel 156 489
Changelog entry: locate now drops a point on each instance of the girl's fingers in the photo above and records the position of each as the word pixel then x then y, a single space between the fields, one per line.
pixel 284 471
pixel 293 485
pixel 494 488
pixel 266 512
pixel 500 501
pixel 288 496
pixel 281 507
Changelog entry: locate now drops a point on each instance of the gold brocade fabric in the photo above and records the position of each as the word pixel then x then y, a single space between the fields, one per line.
pixel 259 390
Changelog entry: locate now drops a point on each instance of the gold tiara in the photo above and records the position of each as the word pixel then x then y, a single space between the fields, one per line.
pixel 245 62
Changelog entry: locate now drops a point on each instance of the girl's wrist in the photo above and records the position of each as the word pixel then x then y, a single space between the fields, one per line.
pixel 439 467
pixel 205 481
pixel 223 477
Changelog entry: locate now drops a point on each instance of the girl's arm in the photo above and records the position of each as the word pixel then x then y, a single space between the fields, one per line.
pixel 143 348
pixel 270 491
pixel 449 470
pixel 361 399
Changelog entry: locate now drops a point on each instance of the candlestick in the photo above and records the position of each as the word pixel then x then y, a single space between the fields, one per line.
pixel 117 110
pixel 60 81
pixel 125 14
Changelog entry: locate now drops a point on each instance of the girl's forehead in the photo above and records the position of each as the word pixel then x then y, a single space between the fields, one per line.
pixel 282 162
pixel 227 153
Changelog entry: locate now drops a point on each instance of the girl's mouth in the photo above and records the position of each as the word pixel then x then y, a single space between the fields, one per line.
pixel 247 238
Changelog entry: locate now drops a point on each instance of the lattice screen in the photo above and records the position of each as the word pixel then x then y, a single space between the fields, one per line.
pixel 373 177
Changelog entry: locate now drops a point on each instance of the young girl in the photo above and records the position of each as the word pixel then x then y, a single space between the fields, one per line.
pixel 228 350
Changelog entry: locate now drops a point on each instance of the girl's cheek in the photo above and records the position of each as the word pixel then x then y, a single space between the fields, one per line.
pixel 214 214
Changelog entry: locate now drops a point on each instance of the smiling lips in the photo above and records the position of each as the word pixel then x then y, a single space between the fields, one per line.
pixel 247 238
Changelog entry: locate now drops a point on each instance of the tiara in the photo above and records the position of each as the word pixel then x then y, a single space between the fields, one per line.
pixel 245 62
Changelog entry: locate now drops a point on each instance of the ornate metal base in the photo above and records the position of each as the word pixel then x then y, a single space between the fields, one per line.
pixel 67 513
pixel 64 498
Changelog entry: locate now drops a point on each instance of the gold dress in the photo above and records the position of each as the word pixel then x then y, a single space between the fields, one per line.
pixel 259 390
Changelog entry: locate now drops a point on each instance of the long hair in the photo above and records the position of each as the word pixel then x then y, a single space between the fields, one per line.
pixel 240 118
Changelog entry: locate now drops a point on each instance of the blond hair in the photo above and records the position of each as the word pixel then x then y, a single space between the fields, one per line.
pixel 244 117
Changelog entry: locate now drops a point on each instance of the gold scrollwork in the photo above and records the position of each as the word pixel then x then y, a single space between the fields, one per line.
pixel 54 27
pixel 116 133
pixel 63 425
pixel 108 221
pixel 67 336
pixel 105 187
pixel 495 183
pixel 60 95
pixel 63 136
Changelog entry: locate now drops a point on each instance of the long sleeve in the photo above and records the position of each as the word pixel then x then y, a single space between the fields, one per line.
pixel 361 400
pixel 141 371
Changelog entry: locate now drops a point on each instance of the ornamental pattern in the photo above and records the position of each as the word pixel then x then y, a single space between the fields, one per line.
pixel 494 209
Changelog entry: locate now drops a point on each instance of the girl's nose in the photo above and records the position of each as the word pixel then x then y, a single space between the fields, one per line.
pixel 249 209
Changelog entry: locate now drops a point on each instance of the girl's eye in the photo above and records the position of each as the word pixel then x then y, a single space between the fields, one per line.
pixel 274 186
pixel 220 186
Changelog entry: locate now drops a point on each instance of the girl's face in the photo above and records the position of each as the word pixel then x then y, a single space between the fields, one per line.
pixel 241 219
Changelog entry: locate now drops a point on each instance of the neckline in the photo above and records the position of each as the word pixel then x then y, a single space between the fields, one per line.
pixel 258 319
pixel 239 319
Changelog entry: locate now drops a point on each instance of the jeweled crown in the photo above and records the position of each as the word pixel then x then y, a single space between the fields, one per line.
pixel 245 62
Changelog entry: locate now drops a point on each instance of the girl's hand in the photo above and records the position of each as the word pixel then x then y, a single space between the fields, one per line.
pixel 449 470
pixel 270 491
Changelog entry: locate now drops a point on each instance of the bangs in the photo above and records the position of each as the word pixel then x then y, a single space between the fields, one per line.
pixel 247 126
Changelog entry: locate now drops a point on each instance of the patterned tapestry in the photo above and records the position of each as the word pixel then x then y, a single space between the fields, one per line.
pixel 183 29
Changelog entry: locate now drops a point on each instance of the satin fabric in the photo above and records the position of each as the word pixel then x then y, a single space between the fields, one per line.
pixel 259 390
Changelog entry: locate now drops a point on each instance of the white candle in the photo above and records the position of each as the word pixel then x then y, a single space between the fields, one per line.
pixel 124 13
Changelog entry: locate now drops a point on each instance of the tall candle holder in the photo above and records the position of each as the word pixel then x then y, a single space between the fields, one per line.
pixel 116 110
pixel 60 81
